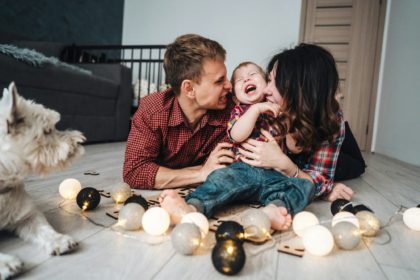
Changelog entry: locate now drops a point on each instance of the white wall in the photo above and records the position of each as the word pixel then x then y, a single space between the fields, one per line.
pixel 255 30
pixel 247 29
pixel 398 122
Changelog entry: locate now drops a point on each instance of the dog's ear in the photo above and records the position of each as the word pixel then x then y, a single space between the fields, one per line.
pixel 8 104
pixel 14 95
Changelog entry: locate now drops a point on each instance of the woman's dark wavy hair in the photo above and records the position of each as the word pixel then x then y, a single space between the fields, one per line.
pixel 307 79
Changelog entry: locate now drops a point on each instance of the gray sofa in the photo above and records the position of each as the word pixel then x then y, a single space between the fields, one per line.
pixel 98 104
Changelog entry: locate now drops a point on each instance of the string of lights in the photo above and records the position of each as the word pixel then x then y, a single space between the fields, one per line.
pixel 350 224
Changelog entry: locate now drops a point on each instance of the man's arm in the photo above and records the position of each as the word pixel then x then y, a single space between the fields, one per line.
pixel 142 150
pixel 167 178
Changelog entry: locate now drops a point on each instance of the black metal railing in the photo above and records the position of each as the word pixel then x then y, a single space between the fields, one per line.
pixel 145 62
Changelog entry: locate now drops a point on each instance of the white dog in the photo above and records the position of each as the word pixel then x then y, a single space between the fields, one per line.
pixel 29 143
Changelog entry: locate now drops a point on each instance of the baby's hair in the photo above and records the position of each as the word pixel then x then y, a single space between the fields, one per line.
pixel 243 64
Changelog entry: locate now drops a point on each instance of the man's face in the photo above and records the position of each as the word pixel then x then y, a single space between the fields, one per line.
pixel 211 91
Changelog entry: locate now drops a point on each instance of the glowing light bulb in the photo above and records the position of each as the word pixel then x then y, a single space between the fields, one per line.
pixel 186 238
pixel 130 216
pixel 318 240
pixel 230 230
pixel 156 221
pixel 69 188
pixel 303 221
pixel 411 218
pixel 340 204
pixel 345 216
pixel 121 192
pixel 88 198
pixel 199 220
pixel 257 225
pixel 346 235
pixel 369 224
pixel 139 200
pixel 228 256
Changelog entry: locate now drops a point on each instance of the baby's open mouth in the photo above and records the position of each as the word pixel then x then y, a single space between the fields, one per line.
pixel 250 88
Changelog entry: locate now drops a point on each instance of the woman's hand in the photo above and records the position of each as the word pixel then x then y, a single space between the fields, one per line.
pixel 340 191
pixel 266 154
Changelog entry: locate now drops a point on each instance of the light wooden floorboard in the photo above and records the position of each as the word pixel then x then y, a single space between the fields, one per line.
pixel 395 273
pixel 105 254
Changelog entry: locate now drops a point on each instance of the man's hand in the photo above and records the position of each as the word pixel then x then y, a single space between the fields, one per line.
pixel 220 157
pixel 340 191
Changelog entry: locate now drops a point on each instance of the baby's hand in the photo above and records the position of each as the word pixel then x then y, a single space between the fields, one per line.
pixel 268 108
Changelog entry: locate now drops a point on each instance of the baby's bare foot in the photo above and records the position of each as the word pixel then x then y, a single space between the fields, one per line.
pixel 279 217
pixel 175 205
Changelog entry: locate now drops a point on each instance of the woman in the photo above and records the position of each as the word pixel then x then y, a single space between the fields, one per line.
pixel 307 80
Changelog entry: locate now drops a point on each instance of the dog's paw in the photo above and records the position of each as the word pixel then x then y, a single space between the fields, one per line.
pixel 9 266
pixel 61 244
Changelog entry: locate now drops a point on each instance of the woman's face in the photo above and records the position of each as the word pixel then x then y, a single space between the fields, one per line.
pixel 272 94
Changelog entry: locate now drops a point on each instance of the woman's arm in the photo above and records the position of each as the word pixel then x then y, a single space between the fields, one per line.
pixel 269 155
pixel 320 168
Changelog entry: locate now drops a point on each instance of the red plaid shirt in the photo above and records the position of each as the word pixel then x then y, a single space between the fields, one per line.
pixel 160 136
pixel 320 164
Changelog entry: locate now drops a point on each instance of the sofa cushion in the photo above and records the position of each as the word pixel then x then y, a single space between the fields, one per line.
pixel 69 103
pixel 95 128
pixel 55 78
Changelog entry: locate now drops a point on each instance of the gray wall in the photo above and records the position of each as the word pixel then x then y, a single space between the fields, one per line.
pixel 70 21
pixel 247 29
pixel 398 129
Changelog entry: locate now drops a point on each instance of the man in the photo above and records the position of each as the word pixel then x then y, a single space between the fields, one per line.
pixel 178 136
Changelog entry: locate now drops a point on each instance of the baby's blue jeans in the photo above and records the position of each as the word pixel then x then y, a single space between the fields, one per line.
pixel 241 182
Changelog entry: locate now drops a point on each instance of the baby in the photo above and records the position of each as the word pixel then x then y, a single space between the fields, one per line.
pixel 252 113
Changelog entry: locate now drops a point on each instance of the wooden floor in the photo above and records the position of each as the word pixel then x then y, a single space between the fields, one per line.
pixel 107 254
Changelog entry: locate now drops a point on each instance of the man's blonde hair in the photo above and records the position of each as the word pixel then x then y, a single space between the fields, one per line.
pixel 184 58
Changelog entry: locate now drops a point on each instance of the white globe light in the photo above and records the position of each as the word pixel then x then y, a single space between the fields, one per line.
pixel 411 218
pixel 256 224
pixel 69 188
pixel 346 235
pixel 345 216
pixel 130 216
pixel 186 238
pixel 199 220
pixel 156 221
pixel 121 192
pixel 303 221
pixel 318 240
pixel 369 224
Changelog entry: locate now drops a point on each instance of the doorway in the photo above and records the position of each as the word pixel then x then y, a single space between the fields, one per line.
pixel 352 31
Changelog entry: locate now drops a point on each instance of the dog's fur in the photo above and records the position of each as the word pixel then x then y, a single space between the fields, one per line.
pixel 29 142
